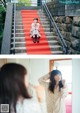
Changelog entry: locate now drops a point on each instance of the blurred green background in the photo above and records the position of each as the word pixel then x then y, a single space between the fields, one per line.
pixel 2 21
pixel 27 2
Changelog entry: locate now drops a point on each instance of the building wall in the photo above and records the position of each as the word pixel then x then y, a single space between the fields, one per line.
pixel 58 8
pixel 36 67
pixel 72 10
pixel 2 62
pixel 76 86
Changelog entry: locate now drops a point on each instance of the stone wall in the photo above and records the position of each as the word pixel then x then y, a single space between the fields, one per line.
pixel 70 29
pixel 75 41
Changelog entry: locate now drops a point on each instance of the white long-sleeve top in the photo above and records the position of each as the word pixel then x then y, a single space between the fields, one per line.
pixel 55 101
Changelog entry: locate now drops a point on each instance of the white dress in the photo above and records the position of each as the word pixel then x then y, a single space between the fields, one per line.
pixel 28 106
pixel 35 29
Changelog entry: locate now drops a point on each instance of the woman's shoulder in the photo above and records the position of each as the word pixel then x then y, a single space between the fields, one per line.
pixel 28 105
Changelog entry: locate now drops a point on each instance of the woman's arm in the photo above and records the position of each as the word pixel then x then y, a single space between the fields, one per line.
pixel 43 79
pixel 39 90
pixel 31 28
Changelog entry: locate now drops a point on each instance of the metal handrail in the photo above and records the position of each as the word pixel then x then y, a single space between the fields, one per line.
pixel 54 25
pixel 14 33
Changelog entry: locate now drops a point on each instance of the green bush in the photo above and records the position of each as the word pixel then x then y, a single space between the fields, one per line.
pixel 2 21
pixel 26 2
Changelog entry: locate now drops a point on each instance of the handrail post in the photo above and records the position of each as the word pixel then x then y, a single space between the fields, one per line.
pixel 50 25
pixel 67 50
pixel 14 33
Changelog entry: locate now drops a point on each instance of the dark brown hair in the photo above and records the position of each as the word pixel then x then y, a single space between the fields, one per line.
pixel 53 82
pixel 36 19
pixel 12 84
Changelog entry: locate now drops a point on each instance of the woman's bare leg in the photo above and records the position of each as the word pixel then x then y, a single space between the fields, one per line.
pixel 34 39
pixel 38 39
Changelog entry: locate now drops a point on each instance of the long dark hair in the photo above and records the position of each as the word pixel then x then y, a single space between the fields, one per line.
pixel 53 82
pixel 12 84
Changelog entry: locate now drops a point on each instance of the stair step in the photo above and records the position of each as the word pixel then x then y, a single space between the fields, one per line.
pixel 51 36
pixel 38 47
pixel 18 34
pixel 45 53
pixel 48 37
pixel 38 53
pixel 19 48
pixel 18 19
pixel 28 32
pixel 18 38
pixel 23 29
pixel 23 41
pixel 42 16
pixel 21 53
pixel 21 26
pixel 26 22
pixel 57 52
pixel 48 33
pixel 19 43
pixel 53 52
pixel 55 46
pixel 53 42
pixel 18 31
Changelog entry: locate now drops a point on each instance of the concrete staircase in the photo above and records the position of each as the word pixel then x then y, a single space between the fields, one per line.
pixel 20 47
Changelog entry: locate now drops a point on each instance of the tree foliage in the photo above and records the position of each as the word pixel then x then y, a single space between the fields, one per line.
pixel 3 2
pixel 2 21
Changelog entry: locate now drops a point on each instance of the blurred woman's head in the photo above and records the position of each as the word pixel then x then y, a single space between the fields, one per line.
pixel 55 77
pixel 13 84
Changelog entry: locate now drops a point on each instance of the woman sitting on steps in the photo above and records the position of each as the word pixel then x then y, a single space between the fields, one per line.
pixel 34 32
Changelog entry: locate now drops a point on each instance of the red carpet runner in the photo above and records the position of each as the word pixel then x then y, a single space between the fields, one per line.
pixel 34 48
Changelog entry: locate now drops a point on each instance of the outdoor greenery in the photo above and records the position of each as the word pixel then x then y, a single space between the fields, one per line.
pixel 2 20
pixel 3 2
pixel 26 2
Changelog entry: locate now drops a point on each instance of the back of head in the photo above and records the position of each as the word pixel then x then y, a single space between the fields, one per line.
pixel 12 84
